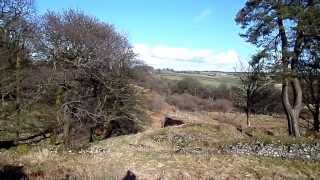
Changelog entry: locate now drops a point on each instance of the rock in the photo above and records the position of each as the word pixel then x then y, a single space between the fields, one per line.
pixel 298 151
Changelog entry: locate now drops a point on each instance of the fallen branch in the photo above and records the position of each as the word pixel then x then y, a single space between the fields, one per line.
pixel 26 140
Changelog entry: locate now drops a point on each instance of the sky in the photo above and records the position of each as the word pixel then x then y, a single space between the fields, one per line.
pixel 176 34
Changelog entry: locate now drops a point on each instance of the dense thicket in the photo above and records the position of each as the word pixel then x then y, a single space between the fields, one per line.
pixel 16 34
pixel 69 68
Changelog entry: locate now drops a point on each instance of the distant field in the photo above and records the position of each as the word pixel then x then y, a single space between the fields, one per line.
pixel 228 80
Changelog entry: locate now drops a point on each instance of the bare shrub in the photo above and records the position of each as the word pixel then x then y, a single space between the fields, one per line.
pixel 155 102
pixel 188 102
pixel 223 105
pixel 182 101
pixel 192 103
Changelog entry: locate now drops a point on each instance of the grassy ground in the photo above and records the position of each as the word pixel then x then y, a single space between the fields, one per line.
pixel 205 79
pixel 169 153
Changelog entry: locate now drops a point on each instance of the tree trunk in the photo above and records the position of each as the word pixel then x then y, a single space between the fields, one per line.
pixel 248 108
pixel 66 128
pixel 290 76
pixel 248 116
pixel 286 104
pixel 2 100
pixel 316 119
pixel 18 103
pixel 292 112
pixel 248 120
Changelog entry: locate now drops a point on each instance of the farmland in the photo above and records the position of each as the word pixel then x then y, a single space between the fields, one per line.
pixel 211 79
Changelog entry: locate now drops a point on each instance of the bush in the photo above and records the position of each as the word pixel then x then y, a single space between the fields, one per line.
pixel 188 102
pixel 188 85
pixel 223 92
pixel 266 101
pixel 183 101
pixel 154 102
pixel 144 76
pixel 223 105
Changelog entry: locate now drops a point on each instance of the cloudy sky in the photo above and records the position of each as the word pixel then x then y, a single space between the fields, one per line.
pixel 176 34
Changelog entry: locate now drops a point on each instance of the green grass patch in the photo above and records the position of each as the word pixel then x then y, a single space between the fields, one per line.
pixel 204 79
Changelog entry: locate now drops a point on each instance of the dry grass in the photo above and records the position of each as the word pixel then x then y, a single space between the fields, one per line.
pixel 155 154
pixel 151 160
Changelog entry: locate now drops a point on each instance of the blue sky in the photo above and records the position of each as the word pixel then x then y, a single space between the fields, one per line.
pixel 177 34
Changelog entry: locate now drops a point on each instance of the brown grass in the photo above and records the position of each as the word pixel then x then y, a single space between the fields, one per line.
pixel 156 153
pixel 153 160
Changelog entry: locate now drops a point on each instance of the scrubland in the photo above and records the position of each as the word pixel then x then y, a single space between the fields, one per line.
pixel 188 151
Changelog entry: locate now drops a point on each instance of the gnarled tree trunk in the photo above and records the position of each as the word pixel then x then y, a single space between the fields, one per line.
pixel 290 78
pixel 292 111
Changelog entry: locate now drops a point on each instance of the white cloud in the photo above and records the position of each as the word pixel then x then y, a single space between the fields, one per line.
pixel 178 58
pixel 203 14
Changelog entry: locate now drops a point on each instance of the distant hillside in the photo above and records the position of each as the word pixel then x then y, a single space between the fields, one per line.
pixel 199 72
pixel 212 78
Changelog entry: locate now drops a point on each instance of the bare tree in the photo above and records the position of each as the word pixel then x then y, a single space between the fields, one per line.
pixel 253 82
pixel 91 63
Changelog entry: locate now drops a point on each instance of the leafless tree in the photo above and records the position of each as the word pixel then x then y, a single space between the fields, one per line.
pixel 91 62
pixel 253 81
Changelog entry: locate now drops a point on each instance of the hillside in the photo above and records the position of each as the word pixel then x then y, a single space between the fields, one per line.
pixel 207 146
pixel 145 90
pixel 208 78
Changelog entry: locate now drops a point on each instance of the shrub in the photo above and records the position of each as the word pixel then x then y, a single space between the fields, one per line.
pixel 222 92
pixel 266 101
pixel 182 101
pixel 188 85
pixel 188 102
pixel 223 105
pixel 154 102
